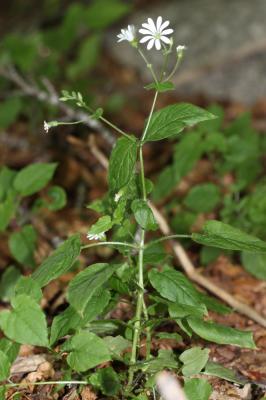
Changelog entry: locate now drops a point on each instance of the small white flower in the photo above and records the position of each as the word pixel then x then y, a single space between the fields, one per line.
pixel 180 49
pixel 128 34
pixel 95 236
pixel 155 33
pixel 46 126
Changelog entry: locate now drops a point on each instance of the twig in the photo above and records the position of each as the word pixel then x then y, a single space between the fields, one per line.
pixel 189 268
pixel 51 97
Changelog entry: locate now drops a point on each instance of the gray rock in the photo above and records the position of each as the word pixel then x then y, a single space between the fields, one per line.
pixel 226 40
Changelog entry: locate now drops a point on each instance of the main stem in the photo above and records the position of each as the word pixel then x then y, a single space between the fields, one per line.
pixel 140 308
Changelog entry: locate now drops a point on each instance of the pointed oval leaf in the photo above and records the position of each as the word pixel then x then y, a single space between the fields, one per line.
pixel 144 215
pixel 22 245
pixel 224 236
pixel 122 163
pixel 221 334
pixel 101 226
pixel 174 286
pixel 171 120
pixel 87 282
pixel 59 262
pixel 34 177
pixel 194 360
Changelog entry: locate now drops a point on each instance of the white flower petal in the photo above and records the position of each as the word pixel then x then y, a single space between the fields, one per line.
pixel 167 32
pixel 152 25
pixel 146 26
pixel 158 44
pixel 164 25
pixel 150 44
pixel 165 39
pixel 145 39
pixel 145 32
pixel 159 23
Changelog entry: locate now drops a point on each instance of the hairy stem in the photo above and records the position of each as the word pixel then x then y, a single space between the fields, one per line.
pixel 88 246
pixel 170 237
pixel 140 308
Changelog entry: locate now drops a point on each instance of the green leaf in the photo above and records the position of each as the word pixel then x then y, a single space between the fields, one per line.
pixel 23 49
pixel 10 349
pixel 7 211
pixel 8 282
pixel 186 153
pixel 87 282
pixel 26 285
pixel 194 360
pixel 221 334
pixel 86 351
pixel 224 236
pixel 169 336
pixel 197 389
pixel 161 86
pixel 106 380
pixel 4 366
pixel 203 198
pixel 96 305
pixel 88 54
pixel 116 345
pixel 22 245
pixel 34 177
pixel 103 225
pixel 122 163
pixel 171 120
pixel 255 264
pixel 7 176
pixel 165 359
pixel 184 310
pixel 64 323
pixel 9 111
pixel 143 215
pixel 174 286
pixel 26 323
pixel 59 262
pixel 214 305
pixel 220 371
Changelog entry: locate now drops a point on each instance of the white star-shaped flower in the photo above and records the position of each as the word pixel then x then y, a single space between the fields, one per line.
pixel 155 33
pixel 96 236
pixel 128 34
